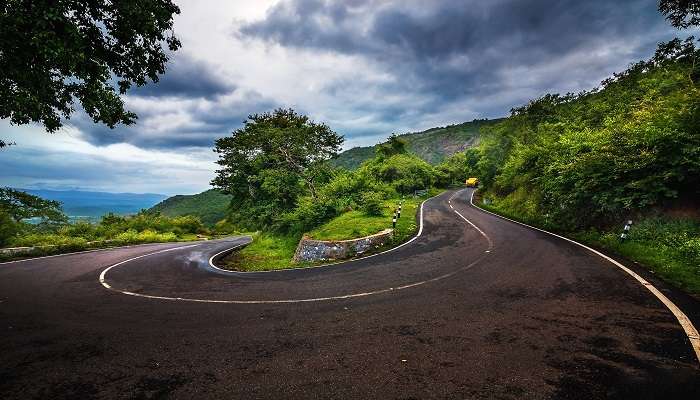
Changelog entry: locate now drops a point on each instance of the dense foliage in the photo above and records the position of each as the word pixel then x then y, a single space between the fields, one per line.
pixel 55 52
pixel 271 162
pixel 578 160
pixel 20 205
pixel 681 13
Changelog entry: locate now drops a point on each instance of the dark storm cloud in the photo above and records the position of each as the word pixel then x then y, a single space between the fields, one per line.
pixel 190 106
pixel 186 77
pixel 453 50
pixel 203 122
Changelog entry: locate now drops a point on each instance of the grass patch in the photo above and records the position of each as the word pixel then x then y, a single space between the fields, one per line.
pixel 266 252
pixel 670 248
pixel 270 251
pixel 356 224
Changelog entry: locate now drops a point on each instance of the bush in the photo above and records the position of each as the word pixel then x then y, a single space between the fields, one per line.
pixel 8 229
pixel 691 252
pixel 82 229
pixel 187 224
pixel 372 203
pixel 224 227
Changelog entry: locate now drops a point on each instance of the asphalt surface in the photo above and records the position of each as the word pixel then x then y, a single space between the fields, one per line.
pixel 450 315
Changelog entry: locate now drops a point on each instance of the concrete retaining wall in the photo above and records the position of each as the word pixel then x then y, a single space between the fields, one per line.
pixel 17 250
pixel 322 250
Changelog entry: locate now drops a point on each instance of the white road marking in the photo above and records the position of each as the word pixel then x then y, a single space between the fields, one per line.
pixel 690 331
pixel 286 301
pixel 104 272
pixel 90 251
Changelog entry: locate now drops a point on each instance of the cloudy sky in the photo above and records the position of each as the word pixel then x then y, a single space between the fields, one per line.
pixel 365 67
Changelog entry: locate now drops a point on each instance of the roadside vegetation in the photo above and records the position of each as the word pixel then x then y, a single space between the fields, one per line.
pixel 583 164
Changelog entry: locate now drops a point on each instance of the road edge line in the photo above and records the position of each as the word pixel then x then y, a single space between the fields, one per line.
pixel 690 331
pixel 104 271
pixel 101 249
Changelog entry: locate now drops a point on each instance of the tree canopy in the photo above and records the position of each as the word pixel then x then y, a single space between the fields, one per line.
pixel 681 13
pixel 272 161
pixel 53 52
pixel 393 145
pixel 20 205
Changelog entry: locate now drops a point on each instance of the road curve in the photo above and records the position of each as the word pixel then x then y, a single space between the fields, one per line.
pixel 473 308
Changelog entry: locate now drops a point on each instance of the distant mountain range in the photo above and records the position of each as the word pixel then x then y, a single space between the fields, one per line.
pixel 432 145
pixel 77 203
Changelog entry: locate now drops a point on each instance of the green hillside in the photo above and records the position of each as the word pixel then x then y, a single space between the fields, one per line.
pixel 210 206
pixel 432 145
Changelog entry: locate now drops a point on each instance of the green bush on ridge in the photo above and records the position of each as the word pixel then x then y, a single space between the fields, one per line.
pixel 111 230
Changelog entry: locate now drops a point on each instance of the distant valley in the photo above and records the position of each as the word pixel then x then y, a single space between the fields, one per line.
pixel 79 204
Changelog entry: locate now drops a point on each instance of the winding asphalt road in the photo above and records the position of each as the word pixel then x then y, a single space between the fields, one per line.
pixel 475 307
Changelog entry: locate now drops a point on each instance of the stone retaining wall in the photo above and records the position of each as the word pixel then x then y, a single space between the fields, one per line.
pixel 322 250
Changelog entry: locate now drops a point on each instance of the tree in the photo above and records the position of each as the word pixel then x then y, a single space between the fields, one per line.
pixel 8 228
pixel 21 205
pixel 53 52
pixel 393 145
pixel 681 13
pixel 272 161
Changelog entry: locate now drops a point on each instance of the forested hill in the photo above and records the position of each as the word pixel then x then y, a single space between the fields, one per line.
pixel 631 145
pixel 432 145
pixel 210 206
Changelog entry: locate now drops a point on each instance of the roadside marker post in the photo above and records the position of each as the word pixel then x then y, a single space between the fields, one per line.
pixel 393 222
pixel 626 230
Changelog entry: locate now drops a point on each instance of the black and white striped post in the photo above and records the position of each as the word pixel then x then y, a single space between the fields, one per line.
pixel 399 213
pixel 393 221
pixel 626 230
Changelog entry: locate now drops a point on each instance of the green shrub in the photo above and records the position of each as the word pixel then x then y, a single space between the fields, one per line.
pixel 372 203
pixel 127 237
pixel 82 229
pixel 8 229
pixel 690 249
pixel 187 224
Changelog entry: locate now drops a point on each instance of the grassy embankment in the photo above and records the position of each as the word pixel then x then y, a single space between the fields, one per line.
pixel 668 247
pixel 271 252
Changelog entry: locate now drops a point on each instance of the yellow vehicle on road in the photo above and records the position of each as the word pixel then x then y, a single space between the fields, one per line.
pixel 472 182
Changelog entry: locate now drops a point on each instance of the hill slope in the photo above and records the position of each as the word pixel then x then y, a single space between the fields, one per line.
pixel 210 206
pixel 432 145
